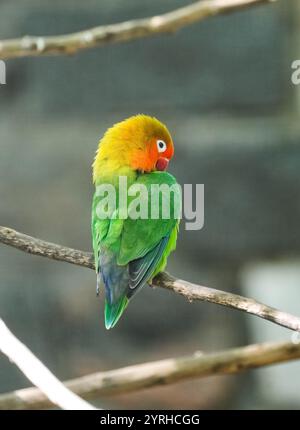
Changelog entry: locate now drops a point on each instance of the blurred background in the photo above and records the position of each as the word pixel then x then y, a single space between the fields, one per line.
pixel 224 89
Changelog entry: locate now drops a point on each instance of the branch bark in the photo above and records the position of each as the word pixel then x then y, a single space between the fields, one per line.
pixel 121 32
pixel 190 291
pixel 50 387
pixel 158 373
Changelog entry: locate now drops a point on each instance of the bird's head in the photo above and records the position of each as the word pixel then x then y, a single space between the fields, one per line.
pixel 140 143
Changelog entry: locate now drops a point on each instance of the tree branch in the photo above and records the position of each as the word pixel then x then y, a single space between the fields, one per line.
pixel 190 291
pixel 223 298
pixel 158 373
pixel 121 32
pixel 53 391
pixel 29 244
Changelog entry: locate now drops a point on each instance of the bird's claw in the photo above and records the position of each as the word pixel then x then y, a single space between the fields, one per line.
pixel 98 286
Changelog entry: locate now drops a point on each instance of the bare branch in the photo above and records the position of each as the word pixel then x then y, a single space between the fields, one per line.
pixel 158 373
pixel 223 298
pixel 122 32
pixel 35 246
pixel 191 291
pixel 53 390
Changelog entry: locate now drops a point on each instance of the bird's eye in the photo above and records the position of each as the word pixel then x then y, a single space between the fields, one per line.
pixel 161 146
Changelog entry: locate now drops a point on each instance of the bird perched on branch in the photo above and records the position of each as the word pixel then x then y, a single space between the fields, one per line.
pixel 132 234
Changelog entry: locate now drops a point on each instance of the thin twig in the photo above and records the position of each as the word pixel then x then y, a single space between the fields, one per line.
pixel 158 373
pixel 191 291
pixel 53 391
pixel 121 32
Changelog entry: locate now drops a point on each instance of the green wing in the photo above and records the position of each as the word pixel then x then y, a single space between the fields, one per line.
pixel 132 251
pixel 140 236
pixel 134 238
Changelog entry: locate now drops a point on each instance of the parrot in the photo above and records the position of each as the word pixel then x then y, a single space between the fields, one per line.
pixel 130 252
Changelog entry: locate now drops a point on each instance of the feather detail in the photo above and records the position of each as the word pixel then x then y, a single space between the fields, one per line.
pixel 114 311
pixel 141 269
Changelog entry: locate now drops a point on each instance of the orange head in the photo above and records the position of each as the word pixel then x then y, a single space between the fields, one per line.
pixel 140 143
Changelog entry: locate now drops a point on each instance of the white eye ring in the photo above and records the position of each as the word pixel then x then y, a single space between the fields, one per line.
pixel 161 146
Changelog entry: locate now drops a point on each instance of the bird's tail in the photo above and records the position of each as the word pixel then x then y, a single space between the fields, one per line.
pixel 116 281
pixel 113 311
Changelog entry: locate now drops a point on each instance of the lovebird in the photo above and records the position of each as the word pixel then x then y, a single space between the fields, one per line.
pixel 130 250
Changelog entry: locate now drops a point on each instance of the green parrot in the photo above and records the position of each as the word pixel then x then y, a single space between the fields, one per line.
pixel 131 249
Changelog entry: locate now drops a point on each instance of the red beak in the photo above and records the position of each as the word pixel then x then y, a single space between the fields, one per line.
pixel 162 164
